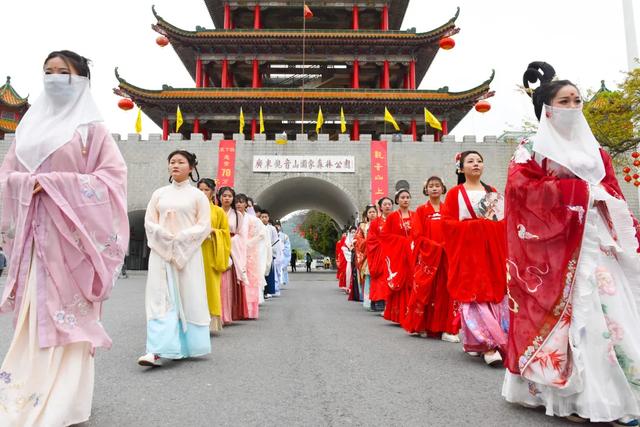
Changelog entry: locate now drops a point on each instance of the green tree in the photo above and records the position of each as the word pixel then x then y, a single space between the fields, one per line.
pixel 321 232
pixel 614 116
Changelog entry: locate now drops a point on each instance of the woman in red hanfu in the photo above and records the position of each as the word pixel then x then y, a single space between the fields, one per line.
pixel 341 264
pixel 431 308
pixel 574 342
pixel 476 249
pixel 397 246
pixel 379 290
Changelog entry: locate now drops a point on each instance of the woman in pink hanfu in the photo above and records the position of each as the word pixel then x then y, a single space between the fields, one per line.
pixel 234 301
pixel 256 263
pixel 65 230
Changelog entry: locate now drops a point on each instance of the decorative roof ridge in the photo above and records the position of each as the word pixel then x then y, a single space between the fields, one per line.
pixel 163 27
pixel 12 92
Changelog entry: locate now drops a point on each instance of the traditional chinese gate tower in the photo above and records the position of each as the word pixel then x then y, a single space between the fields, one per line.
pixel 12 108
pixel 350 55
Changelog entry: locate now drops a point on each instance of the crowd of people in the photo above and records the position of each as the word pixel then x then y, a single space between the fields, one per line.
pixel 215 258
pixel 542 281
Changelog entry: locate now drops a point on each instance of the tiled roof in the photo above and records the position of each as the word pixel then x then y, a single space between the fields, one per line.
pixel 7 125
pixel 9 96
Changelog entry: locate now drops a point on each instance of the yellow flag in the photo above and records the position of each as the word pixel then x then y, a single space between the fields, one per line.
pixel 320 120
pixel 179 120
pixel 431 120
pixel 241 121
pixel 261 122
pixel 343 122
pixel 139 121
pixel 389 118
pixel 281 138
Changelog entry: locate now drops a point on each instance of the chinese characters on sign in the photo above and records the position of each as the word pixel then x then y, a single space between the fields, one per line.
pixel 226 163
pixel 316 164
pixel 379 171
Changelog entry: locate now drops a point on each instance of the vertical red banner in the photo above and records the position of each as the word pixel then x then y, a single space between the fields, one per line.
pixel 379 170
pixel 226 163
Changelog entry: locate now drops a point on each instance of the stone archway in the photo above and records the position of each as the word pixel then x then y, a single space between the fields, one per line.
pixel 305 192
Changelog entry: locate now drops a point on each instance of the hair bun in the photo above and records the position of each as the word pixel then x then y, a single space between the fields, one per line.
pixel 537 71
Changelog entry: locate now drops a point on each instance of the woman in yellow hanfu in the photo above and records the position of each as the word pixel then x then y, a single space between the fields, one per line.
pixel 215 252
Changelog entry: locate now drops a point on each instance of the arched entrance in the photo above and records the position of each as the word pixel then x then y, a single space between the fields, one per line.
pixel 138 257
pixel 304 192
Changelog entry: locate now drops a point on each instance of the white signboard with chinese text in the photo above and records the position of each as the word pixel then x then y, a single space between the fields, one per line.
pixel 313 164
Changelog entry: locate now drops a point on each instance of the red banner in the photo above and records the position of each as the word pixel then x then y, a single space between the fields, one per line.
pixel 226 163
pixel 379 170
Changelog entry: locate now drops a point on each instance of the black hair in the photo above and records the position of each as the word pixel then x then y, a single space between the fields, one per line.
pixel 72 59
pixel 382 200
pixel 396 198
pixel 544 73
pixel 249 199
pixel 459 170
pixel 264 211
pixel 433 178
pixel 365 214
pixel 191 159
pixel 209 183
pixel 240 197
pixel 352 228
pixel 257 209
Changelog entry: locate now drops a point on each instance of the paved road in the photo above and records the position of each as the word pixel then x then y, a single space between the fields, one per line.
pixel 312 359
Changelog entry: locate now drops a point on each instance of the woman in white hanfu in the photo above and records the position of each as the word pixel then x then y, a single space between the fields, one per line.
pixel 177 221
pixel 574 338
pixel 65 230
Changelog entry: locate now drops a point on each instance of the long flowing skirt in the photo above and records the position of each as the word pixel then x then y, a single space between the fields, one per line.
pixel 484 326
pixel 270 289
pixel 170 338
pixel 43 386
pixel 397 304
pixel 214 300
pixel 366 302
pixel 239 309
pixel 604 337
pixel 226 293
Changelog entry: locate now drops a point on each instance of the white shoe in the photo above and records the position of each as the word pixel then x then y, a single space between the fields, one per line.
pixel 626 421
pixel 493 359
pixel 277 294
pixel 449 337
pixel 150 359
pixel 473 353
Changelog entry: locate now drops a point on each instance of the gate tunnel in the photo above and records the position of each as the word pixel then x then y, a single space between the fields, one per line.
pixel 303 192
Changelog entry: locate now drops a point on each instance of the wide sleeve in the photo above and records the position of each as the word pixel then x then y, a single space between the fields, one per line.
pixel 91 207
pixel 221 240
pixel 450 210
pixel 159 239
pixel 189 240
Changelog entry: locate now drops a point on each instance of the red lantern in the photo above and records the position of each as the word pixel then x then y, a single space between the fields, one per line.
pixel 637 183
pixel 483 106
pixel 635 154
pixel 636 163
pixel 627 178
pixel 125 104
pixel 636 176
pixel 162 41
pixel 447 43
pixel 626 169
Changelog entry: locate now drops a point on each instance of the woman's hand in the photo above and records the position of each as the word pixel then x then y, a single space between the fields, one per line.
pixel 37 188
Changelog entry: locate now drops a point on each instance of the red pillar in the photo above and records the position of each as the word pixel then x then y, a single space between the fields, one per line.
pixel 224 78
pixel 385 75
pixel 384 24
pixel 437 136
pixel 256 17
pixel 255 83
pixel 355 21
pixel 165 129
pixel 198 72
pixel 445 127
pixel 205 78
pixel 355 131
pixel 227 16
pixel 16 116
pixel 355 80
pixel 414 130
pixel 412 74
pixel 196 126
pixel 254 128
pixel 405 83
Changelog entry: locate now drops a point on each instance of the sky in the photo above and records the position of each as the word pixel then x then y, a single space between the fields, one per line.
pixel 583 39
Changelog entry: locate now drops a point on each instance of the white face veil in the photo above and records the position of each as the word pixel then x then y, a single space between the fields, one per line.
pixel 66 105
pixel 565 137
